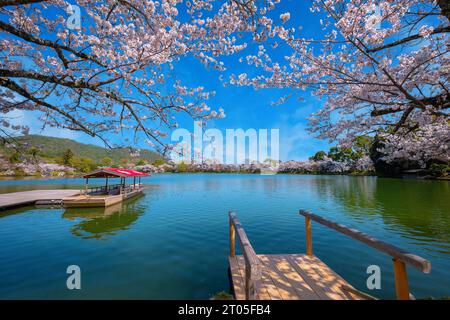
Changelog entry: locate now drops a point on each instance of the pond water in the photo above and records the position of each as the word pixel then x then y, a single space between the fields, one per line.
pixel 172 243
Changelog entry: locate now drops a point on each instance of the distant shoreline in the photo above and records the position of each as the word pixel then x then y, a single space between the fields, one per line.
pixel 79 176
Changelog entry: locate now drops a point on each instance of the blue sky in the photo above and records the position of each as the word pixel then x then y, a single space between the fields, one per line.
pixel 244 107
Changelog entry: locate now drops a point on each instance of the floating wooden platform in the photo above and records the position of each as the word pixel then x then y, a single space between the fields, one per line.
pixel 90 201
pixel 107 195
pixel 24 198
pixel 304 276
pixel 292 277
pixel 87 201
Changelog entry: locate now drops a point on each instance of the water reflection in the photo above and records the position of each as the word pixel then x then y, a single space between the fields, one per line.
pixel 416 208
pixel 353 193
pixel 422 207
pixel 98 223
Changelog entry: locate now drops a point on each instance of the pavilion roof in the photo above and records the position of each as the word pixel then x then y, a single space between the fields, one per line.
pixel 115 172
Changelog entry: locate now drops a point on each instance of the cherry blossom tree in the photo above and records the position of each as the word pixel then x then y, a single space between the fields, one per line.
pixel 114 71
pixel 382 68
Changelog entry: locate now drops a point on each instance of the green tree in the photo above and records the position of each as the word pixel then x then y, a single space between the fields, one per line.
pixel 15 157
pixel 341 154
pixel 182 167
pixel 106 162
pixel 320 155
pixel 67 157
pixel 362 145
pixel 158 162
pixel 141 162
pixel 83 164
pixel 439 169
pixel 34 152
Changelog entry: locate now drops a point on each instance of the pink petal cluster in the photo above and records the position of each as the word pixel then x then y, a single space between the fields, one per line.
pixel 116 72
pixel 381 69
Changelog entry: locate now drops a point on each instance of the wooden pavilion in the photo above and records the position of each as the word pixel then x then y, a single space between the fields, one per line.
pixel 108 194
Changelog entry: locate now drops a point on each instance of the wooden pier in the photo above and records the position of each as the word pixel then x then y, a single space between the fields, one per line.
pixel 25 198
pixel 304 276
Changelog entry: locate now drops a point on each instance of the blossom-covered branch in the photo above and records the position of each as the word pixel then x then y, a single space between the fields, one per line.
pixel 383 69
pixel 114 70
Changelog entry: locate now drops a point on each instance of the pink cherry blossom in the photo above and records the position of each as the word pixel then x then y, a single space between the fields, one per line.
pixel 381 69
pixel 115 73
pixel 285 17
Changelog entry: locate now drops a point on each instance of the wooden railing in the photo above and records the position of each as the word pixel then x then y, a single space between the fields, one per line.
pixel 130 188
pixel 107 189
pixel 100 189
pixel 252 263
pixel 399 256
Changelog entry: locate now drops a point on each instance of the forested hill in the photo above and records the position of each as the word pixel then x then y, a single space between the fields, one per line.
pixel 52 147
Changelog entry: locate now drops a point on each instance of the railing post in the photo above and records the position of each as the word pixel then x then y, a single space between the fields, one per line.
pixel 308 236
pixel 232 239
pixel 401 280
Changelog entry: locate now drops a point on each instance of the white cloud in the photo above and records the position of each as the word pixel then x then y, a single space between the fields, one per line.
pixel 296 143
pixel 31 120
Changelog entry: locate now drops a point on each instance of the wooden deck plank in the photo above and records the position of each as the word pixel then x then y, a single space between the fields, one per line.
pixel 23 198
pixel 262 292
pixel 325 284
pixel 270 285
pixel 236 279
pixel 321 293
pixel 324 269
pixel 330 282
pixel 328 273
pixel 283 284
pixel 291 277
pixel 303 289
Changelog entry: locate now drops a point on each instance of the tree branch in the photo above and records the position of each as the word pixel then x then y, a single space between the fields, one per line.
pixel 4 3
pixel 408 39
pixel 24 93
pixel 43 42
